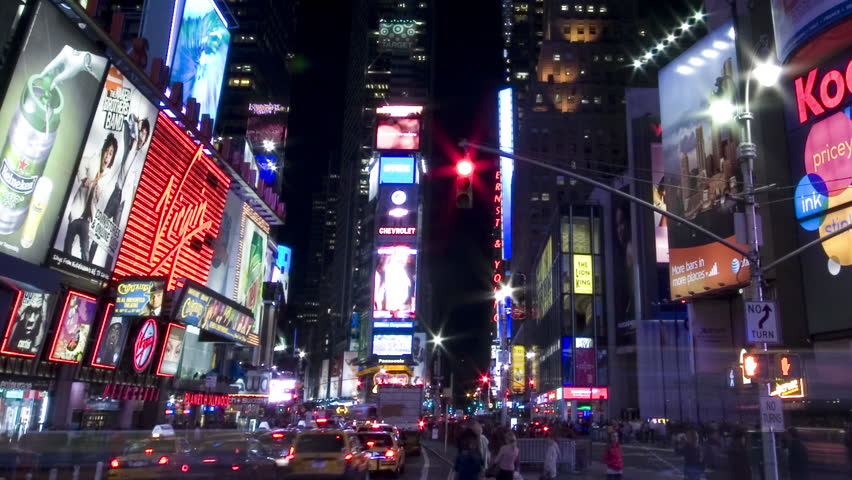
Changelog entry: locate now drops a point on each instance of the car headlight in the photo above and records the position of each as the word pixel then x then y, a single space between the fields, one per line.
pixel 282 462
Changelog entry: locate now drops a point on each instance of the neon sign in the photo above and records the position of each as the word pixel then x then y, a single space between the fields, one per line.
pixel 506 127
pixel 397 230
pixel 794 388
pixel 808 103
pixel 176 213
pixel 143 348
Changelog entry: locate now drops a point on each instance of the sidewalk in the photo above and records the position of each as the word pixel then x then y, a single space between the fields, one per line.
pixel 596 471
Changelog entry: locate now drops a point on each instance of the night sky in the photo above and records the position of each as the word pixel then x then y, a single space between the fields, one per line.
pixel 467 75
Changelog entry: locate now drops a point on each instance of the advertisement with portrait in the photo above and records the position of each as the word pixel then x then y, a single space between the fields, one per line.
pixel 105 182
pixel 623 261
pixel 797 21
pixel 819 140
pixel 661 225
pixel 223 267
pixel 389 345
pixel 28 323
pixel 112 338
pixel 252 267
pixel 283 260
pixel 72 331
pixel 396 214
pixel 418 358
pixel 398 127
pixel 394 286
pixel 44 118
pixel 349 384
pixel 266 125
pixel 177 212
pixel 519 369
pixel 701 161
pixel 139 297
pixel 201 54
pixel 171 351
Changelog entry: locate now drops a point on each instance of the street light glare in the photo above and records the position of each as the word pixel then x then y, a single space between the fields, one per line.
pixel 767 73
pixel 504 292
pixel 722 110
pixel 530 355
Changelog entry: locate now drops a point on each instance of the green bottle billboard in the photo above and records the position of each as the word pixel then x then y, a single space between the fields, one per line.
pixel 252 269
pixel 43 120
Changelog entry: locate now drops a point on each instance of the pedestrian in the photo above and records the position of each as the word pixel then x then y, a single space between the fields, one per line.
pixel 506 461
pixel 739 465
pixel 693 464
pixel 482 440
pixel 798 456
pixel 551 457
pixel 468 465
pixel 613 458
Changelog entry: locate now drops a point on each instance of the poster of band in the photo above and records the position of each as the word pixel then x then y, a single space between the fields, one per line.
pixel 105 183
pixel 42 119
pixel 28 325
pixel 69 342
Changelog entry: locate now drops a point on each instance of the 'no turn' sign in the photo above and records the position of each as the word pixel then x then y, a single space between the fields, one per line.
pixel 771 414
pixel 762 323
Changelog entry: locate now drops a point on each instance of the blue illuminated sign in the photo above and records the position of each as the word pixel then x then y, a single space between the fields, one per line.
pixel 393 324
pixel 283 260
pixel 506 127
pixel 267 165
pixel 397 169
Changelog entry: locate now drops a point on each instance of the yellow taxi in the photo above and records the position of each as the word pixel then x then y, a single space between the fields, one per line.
pixel 325 453
pixel 150 458
pixel 384 451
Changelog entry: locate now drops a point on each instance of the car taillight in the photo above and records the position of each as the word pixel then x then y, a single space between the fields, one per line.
pixel 184 468
pixel 209 460
pixel 149 451
pixel 422 424
pixel 235 467
pixel 277 435
pixel 164 460
pixel 376 427
pixel 291 454
pixel 348 457
pixel 371 444
pixel 114 463
pixel 390 454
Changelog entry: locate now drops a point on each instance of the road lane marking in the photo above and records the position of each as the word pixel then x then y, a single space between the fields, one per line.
pixel 425 471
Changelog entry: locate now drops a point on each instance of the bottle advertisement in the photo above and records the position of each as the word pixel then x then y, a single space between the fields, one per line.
pixel 103 188
pixel 43 120
pixel 252 268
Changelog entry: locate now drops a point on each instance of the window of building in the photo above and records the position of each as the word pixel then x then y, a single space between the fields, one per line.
pixel 564 8
pixel 557 99
pixel 556 57
pixel 578 8
pixel 642 33
pixel 581 30
pixel 570 98
pixel 539 98
pixel 593 30
pixel 584 101
pixel 608 58
pixel 596 58
pixel 560 180
pixel 545 197
pixel 602 9
pixel 566 29
pixel 590 9
pixel 522 75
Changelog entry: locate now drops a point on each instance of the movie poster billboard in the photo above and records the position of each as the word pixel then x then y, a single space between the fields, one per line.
pixel 519 369
pixel 142 297
pixel 199 308
pixel 394 282
pixel 27 325
pixel 252 269
pixel 349 382
pixel 111 340
pixel 72 333
pixel 418 358
pixel 797 21
pixel 223 267
pixel 171 351
pixel 104 185
pixel 701 160
pixel 43 120
pixel 819 129
pixel 201 54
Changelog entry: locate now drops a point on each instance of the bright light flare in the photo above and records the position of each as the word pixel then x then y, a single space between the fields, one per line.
pixel 464 168
pixel 767 73
pixel 722 110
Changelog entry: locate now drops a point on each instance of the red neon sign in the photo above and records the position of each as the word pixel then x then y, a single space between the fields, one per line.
pixel 143 348
pixel 817 97
pixel 397 230
pixel 176 213
pixel 18 298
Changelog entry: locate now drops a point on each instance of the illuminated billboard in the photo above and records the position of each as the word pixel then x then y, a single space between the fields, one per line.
pixel 27 325
pixel 819 129
pixel 519 369
pixel 397 35
pixel 385 345
pixel 797 22
pixel 398 127
pixel 139 297
pixel 283 260
pixel 701 159
pixel 112 337
pixel 72 332
pixel 506 126
pixel 198 307
pixel 266 125
pixel 396 213
pixel 252 268
pixel 105 182
pixel 201 54
pixel 661 223
pixel 171 351
pixel 394 282
pixel 223 268
pixel 176 215
pixel 399 169
pixel 43 121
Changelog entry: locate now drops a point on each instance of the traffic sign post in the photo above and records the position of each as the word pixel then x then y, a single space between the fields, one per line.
pixel 771 414
pixel 762 323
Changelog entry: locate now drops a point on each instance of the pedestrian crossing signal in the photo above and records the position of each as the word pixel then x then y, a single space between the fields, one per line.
pixel 789 365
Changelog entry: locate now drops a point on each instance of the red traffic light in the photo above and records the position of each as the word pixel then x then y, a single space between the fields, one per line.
pixel 464 167
pixel 484 379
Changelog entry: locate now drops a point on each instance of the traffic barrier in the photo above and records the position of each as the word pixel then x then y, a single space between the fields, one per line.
pixel 533 451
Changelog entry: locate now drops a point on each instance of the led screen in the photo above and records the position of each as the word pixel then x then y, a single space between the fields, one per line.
pixel 396 169
pixel 177 211
pixel 396 213
pixel 105 182
pixel 391 345
pixel 394 133
pixel 72 333
pixel 27 325
pixel 201 54
pixel 701 160
pixel 393 287
pixel 43 121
